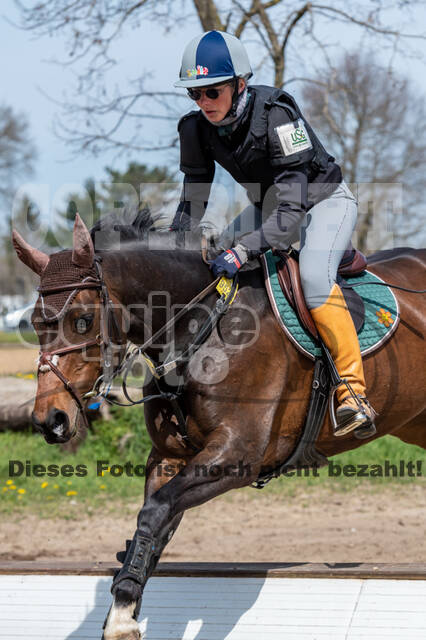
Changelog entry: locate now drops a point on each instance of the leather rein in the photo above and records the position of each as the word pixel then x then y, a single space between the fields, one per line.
pixel 48 360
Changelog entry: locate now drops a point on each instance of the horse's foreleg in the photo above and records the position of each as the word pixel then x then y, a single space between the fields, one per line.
pixel 221 466
pixel 121 622
pixel 226 462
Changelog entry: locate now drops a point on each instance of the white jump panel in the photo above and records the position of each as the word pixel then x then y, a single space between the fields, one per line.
pixel 61 607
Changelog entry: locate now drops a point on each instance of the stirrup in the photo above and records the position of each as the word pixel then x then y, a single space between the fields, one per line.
pixel 362 425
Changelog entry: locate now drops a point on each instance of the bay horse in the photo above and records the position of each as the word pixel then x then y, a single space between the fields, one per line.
pixel 245 392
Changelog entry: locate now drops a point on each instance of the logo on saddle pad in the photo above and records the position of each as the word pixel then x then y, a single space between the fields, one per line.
pixel 293 137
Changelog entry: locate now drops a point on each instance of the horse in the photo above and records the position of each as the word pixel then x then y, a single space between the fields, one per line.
pixel 244 393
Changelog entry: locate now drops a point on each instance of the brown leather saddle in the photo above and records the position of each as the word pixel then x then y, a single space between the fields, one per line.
pixel 352 263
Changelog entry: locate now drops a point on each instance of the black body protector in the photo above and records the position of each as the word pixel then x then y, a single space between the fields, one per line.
pixel 274 153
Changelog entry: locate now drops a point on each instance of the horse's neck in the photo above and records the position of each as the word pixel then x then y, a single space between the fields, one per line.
pixel 152 285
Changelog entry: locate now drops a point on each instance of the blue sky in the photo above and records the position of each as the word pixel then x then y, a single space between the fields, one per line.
pixel 25 73
pixel 28 75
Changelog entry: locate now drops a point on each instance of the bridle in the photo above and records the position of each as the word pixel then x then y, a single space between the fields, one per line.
pixel 48 360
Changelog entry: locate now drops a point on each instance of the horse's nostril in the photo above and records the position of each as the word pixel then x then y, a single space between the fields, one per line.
pixel 58 422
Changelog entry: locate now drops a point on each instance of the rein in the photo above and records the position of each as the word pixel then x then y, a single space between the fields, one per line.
pixel 48 360
pixel 159 371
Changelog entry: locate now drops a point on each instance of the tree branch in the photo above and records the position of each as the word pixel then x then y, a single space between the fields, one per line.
pixel 365 23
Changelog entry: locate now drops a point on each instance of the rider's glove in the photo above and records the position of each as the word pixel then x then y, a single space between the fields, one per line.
pixel 228 262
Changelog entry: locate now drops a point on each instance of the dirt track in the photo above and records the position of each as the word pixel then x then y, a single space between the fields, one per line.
pixel 387 526
pixel 16 359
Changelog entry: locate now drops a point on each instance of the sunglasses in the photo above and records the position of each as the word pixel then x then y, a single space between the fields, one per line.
pixel 213 93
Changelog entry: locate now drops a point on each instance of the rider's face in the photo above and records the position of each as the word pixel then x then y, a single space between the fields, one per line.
pixel 215 110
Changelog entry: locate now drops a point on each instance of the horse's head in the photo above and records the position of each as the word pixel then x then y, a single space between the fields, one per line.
pixel 67 318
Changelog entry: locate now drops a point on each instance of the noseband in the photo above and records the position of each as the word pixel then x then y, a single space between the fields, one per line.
pixel 48 360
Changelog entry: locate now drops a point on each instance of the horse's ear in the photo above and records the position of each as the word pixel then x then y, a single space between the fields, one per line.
pixel 83 251
pixel 33 258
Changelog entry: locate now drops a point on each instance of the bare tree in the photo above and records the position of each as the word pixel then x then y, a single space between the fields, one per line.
pixel 374 122
pixel 17 155
pixel 17 152
pixel 283 30
pixel 25 217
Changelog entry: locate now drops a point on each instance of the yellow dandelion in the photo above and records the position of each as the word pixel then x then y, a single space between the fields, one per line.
pixel 9 481
pixel 103 486
pixel 22 491
pixel 12 486
pixel 71 493
pixel 44 485
pixel 56 486
pixel 4 489
pixel 69 482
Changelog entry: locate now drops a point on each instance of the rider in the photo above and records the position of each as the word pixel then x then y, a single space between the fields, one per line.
pixel 258 134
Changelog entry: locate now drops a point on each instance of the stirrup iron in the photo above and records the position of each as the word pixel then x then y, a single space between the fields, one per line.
pixel 360 423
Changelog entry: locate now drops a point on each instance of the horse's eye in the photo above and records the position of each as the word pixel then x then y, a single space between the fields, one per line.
pixel 83 323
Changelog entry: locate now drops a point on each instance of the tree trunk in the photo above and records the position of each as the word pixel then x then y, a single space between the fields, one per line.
pixel 208 15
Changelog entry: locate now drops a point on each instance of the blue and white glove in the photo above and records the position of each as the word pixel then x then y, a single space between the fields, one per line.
pixel 228 262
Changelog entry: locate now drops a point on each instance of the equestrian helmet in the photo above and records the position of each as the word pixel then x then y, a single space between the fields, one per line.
pixel 212 58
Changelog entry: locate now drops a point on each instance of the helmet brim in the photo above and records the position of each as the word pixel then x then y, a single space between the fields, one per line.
pixel 200 82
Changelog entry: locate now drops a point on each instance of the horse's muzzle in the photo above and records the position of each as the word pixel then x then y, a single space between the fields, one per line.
pixel 56 428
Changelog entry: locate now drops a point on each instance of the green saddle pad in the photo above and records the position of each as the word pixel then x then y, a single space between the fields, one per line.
pixel 381 311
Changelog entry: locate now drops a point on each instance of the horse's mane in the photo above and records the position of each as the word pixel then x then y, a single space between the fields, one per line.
pixel 134 226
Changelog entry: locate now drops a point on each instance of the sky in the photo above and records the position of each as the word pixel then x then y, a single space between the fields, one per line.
pixel 26 75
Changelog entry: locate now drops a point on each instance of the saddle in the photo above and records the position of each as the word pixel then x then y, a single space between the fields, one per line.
pixel 377 312
pixel 352 263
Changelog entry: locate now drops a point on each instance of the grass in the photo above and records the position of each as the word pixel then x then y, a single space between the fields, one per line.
pixel 77 477
pixel 384 462
pixel 79 480
pixel 21 337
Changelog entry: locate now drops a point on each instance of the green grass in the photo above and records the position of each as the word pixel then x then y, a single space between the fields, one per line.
pixel 373 460
pixel 13 337
pixel 115 442
pixel 124 439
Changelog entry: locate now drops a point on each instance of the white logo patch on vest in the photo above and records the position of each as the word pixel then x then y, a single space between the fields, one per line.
pixel 293 139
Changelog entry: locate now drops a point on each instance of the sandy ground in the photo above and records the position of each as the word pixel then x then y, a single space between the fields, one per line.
pixel 384 526
pixel 15 359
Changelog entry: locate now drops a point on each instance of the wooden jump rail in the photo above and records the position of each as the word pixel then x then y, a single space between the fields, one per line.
pixel 354 570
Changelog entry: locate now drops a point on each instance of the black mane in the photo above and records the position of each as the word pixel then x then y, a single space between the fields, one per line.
pixel 131 223
pixel 137 226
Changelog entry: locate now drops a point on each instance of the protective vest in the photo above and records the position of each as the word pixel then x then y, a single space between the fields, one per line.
pixel 275 134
